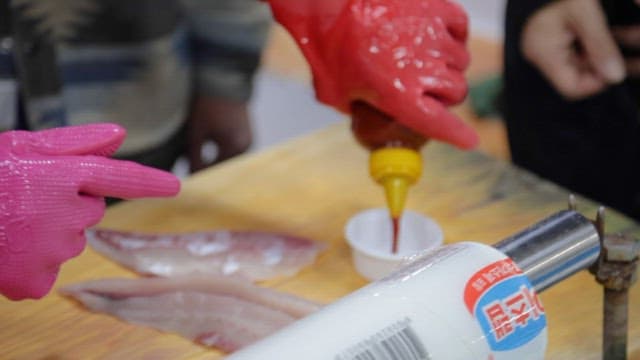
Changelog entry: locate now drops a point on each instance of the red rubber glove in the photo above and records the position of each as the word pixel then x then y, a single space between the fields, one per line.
pixel 404 57
pixel 52 187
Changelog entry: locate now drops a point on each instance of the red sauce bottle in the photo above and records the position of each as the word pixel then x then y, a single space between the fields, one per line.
pixel 395 161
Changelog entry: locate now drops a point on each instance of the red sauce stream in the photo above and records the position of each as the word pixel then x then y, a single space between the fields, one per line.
pixel 396 230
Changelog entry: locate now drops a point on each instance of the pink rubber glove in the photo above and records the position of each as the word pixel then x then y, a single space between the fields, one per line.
pixel 403 57
pixel 52 187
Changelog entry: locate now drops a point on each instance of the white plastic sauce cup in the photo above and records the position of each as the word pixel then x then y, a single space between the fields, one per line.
pixel 370 235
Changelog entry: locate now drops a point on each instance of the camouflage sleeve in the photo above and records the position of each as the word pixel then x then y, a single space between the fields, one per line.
pixel 226 38
pixel 119 61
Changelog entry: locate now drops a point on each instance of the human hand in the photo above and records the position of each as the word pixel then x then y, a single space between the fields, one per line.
pixel 52 187
pixel 223 122
pixel 403 57
pixel 570 43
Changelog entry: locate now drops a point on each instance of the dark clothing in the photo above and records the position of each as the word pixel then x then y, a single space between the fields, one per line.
pixel 591 146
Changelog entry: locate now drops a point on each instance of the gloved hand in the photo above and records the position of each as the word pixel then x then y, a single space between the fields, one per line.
pixel 52 185
pixel 403 57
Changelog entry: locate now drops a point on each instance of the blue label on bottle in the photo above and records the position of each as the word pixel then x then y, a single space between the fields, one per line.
pixel 505 305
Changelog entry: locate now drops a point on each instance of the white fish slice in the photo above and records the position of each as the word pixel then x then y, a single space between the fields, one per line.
pixel 253 255
pixel 218 311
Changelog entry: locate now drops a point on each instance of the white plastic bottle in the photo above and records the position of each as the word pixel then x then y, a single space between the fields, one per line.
pixel 462 301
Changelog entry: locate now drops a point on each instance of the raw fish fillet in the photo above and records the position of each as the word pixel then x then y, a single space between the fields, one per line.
pixel 226 312
pixel 254 255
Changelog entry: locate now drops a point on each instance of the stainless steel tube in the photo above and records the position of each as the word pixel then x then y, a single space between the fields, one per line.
pixel 554 249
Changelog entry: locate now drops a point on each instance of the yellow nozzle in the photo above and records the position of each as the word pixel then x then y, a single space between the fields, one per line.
pixel 395 169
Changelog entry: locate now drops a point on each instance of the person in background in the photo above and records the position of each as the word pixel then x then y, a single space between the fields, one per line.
pixel 404 58
pixel 175 73
pixel 571 95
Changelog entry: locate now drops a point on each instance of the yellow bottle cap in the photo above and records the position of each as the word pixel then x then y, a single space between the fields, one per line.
pixel 395 169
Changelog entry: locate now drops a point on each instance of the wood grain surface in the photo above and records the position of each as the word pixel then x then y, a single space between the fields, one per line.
pixel 310 187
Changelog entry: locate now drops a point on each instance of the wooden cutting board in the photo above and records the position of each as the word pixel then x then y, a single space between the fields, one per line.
pixel 310 187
